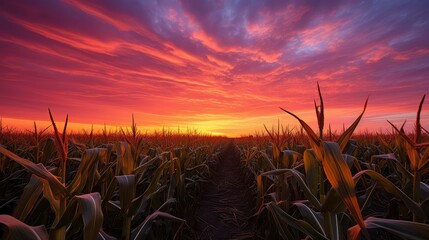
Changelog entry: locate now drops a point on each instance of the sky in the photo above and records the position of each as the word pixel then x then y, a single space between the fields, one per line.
pixel 221 67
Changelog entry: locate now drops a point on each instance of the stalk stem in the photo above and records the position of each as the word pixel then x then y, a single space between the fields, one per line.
pixel 322 184
pixel 126 227
pixel 416 193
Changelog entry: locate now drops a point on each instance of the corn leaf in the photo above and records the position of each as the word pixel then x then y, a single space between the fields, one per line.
pixel 314 139
pixel 282 227
pixel 140 231
pixel 332 202
pixel 350 160
pixel 345 136
pixel 310 216
pixel 414 157
pixel 48 150
pixel 391 188
pixel 400 228
pixel 320 112
pixel 104 236
pixel 17 230
pixel 90 207
pixel 289 158
pixel 300 180
pixel 142 167
pixel 87 169
pixel 268 160
pixel 418 126
pixel 87 206
pixel 340 177
pixel 406 175
pixel 38 170
pixel 284 219
pixel 387 156
pixel 125 159
pixel 137 202
pixel 61 142
pixel 425 206
pixel 403 135
pixel 127 190
pixel 311 167
pixel 424 162
pixel 28 199
pixel 49 195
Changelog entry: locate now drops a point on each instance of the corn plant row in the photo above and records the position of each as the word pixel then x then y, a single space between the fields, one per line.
pixel 330 186
pixel 139 187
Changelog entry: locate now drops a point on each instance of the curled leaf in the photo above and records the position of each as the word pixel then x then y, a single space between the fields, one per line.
pixel 18 230
pixel 39 170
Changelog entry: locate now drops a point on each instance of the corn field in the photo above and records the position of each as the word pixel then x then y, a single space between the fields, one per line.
pixel 303 184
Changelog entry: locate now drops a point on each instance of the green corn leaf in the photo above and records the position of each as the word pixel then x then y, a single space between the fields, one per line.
pixel 289 158
pixel 153 187
pixel 339 175
pixel 87 170
pixel 345 136
pixel 28 199
pixel 90 207
pixel 311 167
pixel 400 228
pixel 127 190
pixel 40 171
pixel 332 202
pixel 140 231
pixel 300 180
pixel 125 162
pixel 284 219
pixel 310 216
pixel 314 139
pixel 87 206
pixel 391 188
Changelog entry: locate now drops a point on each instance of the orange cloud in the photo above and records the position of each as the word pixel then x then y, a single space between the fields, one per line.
pixel 222 68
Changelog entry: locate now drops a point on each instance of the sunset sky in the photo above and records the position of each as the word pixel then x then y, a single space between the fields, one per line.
pixel 223 67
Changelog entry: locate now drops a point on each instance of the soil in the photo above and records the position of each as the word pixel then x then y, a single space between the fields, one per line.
pixel 227 203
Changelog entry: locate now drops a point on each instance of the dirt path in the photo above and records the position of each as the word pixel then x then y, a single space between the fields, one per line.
pixel 227 203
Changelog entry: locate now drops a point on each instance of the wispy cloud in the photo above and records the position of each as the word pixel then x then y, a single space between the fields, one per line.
pixel 225 64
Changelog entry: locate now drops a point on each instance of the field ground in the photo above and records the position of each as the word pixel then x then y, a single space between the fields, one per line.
pixel 226 205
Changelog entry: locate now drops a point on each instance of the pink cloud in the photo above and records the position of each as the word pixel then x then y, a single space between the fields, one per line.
pixel 227 64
